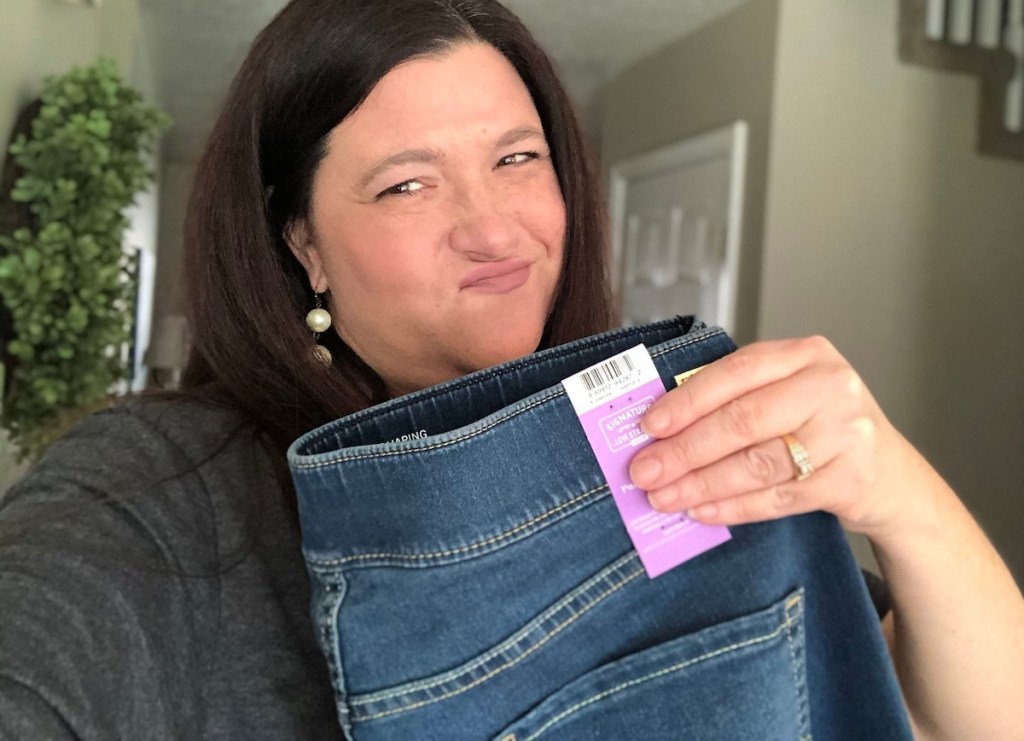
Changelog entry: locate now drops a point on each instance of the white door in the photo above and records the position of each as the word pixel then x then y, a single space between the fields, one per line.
pixel 676 221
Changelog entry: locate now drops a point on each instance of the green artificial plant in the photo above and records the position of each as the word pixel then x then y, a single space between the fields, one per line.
pixel 65 277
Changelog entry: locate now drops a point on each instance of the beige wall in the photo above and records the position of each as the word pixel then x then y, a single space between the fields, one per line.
pixel 42 37
pixel 712 77
pixel 881 227
pixel 886 232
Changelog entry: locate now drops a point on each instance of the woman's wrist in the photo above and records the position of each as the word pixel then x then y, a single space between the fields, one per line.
pixel 921 505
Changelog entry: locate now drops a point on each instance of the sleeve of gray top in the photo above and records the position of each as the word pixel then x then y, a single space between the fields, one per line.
pixel 24 714
pixel 108 586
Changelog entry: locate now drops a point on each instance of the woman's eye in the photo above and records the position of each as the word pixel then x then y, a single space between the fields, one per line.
pixel 518 158
pixel 402 189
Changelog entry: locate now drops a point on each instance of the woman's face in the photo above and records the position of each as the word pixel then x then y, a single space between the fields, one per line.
pixel 437 222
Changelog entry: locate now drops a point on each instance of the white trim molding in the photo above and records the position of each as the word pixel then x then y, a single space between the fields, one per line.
pixel 730 139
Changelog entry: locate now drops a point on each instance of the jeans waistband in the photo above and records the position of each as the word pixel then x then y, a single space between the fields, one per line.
pixel 472 465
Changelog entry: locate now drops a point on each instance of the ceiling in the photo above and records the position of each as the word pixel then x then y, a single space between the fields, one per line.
pixel 196 46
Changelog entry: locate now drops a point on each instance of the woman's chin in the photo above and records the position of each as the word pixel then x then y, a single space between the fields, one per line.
pixel 510 348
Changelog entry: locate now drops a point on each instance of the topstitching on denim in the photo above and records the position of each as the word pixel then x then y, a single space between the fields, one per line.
pixel 476 431
pixel 327 620
pixel 797 662
pixel 698 327
pixel 470 550
pixel 478 428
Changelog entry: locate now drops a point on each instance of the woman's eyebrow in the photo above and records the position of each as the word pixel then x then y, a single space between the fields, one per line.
pixel 517 135
pixel 427 156
pixel 409 156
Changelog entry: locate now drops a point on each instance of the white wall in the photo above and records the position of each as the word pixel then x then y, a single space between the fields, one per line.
pixel 886 232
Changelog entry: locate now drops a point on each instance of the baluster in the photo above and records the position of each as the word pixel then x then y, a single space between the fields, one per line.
pixel 990 19
pixel 961 13
pixel 935 19
pixel 1014 41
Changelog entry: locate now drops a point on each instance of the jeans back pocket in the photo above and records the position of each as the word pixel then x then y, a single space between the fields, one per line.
pixel 740 679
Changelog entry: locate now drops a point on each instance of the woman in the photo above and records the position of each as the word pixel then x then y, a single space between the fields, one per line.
pixel 414 168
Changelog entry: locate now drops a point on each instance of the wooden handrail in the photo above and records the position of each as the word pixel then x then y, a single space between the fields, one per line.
pixel 994 68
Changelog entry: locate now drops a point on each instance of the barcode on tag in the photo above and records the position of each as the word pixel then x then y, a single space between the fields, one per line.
pixel 606 372
pixel 626 371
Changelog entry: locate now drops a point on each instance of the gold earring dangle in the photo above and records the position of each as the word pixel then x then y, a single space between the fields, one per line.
pixel 319 321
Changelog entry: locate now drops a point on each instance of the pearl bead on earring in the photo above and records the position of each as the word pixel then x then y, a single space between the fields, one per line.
pixel 319 321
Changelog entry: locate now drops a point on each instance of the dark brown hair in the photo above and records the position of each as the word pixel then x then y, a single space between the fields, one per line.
pixel 309 69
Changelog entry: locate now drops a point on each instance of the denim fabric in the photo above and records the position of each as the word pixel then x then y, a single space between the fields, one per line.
pixel 472 579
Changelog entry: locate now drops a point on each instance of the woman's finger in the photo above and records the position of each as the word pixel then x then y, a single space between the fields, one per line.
pixel 781 500
pixel 755 468
pixel 766 413
pixel 739 373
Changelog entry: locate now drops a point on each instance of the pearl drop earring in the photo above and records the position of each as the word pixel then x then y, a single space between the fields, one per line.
pixel 319 321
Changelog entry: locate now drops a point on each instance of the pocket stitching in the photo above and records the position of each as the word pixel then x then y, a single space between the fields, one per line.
pixel 546 638
pixel 795 604
pixel 784 626
pixel 332 651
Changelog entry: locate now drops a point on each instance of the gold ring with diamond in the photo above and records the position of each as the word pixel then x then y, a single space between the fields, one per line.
pixel 801 461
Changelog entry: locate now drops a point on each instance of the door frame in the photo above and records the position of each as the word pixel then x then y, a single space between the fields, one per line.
pixel 729 140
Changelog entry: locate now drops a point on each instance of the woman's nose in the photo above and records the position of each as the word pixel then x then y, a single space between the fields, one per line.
pixel 482 230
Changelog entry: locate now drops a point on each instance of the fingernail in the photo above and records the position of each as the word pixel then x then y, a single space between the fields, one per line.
pixel 703 512
pixel 660 502
pixel 655 421
pixel 645 472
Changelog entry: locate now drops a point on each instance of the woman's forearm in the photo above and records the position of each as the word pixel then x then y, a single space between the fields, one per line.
pixel 957 627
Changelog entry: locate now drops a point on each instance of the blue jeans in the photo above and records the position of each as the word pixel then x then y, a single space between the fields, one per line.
pixel 472 579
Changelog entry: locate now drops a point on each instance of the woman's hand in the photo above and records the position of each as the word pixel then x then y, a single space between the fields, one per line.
pixel 957 627
pixel 720 453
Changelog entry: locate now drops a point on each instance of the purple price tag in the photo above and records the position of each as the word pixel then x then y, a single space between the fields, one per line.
pixel 611 398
